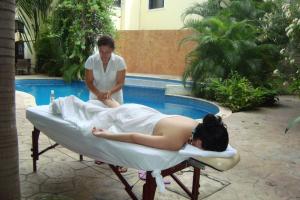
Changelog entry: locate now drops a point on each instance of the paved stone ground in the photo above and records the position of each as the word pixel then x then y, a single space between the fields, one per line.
pixel 269 166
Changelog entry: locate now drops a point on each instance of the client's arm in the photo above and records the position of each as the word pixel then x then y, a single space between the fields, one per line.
pixel 111 103
pixel 159 142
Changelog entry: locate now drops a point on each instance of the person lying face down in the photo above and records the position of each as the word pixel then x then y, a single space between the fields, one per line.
pixel 169 132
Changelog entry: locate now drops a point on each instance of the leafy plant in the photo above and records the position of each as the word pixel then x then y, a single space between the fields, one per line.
pixel 49 53
pixel 292 123
pixel 32 13
pixel 78 23
pixel 72 72
pixel 294 86
pixel 230 38
pixel 282 26
pixel 205 9
pixel 236 92
pixel 223 46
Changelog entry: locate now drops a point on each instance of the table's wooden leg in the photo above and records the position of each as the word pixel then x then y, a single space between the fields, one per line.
pixel 149 187
pixel 196 183
pixel 35 147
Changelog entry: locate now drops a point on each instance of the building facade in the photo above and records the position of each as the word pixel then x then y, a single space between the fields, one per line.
pixel 153 14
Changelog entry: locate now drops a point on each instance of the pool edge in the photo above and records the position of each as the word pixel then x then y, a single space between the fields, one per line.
pixel 27 99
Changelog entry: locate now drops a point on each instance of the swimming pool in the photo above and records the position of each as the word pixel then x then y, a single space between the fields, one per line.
pixel 147 91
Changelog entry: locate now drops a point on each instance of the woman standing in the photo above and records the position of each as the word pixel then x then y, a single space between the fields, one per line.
pixel 105 72
pixel 105 76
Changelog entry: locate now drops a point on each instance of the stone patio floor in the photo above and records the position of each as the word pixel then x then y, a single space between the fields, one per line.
pixel 269 166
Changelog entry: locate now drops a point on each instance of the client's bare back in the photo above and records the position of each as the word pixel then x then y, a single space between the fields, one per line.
pixel 177 129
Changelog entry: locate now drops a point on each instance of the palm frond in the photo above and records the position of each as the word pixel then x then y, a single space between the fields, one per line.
pixel 192 24
pixel 194 37
pixel 205 9
pixel 243 9
pixel 214 24
pixel 32 13
pixel 292 124
pixel 240 31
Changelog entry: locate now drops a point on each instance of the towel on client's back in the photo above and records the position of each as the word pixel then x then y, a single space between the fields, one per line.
pixel 125 118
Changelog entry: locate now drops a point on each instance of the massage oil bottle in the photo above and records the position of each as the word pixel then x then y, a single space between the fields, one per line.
pixel 52 96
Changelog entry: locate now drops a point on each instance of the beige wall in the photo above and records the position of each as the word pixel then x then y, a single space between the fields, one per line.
pixel 137 16
pixel 153 52
pixel 130 11
pixel 116 18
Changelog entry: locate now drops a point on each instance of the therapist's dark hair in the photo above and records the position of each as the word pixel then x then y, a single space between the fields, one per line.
pixel 106 41
pixel 212 133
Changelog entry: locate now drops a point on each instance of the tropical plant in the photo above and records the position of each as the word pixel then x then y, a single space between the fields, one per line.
pixel 283 29
pixel 78 23
pixel 295 83
pixel 251 10
pixel 225 45
pixel 9 167
pixel 32 13
pixel 205 9
pixel 235 92
pixel 49 53
pixel 292 123
pixel 230 38
pixel 236 9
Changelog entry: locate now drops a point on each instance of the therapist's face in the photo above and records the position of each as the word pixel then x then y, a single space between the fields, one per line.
pixel 105 53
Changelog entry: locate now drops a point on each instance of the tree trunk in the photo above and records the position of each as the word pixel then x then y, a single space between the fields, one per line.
pixel 9 162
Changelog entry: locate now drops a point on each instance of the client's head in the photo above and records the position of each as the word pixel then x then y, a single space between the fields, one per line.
pixel 212 133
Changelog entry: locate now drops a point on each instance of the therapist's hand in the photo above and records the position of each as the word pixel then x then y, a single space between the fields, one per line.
pixel 108 95
pixel 101 96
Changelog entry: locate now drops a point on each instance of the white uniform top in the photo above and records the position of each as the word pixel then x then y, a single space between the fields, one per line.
pixel 105 80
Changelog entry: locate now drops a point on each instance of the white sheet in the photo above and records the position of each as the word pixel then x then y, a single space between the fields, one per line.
pixel 125 118
pixel 78 138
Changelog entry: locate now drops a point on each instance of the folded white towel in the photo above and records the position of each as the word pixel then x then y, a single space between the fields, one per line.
pixel 193 151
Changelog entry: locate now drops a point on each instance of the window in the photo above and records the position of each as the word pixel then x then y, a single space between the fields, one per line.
pixel 117 3
pixel 19 26
pixel 156 4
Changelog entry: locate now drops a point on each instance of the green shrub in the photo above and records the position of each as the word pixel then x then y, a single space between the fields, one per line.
pixel 205 9
pixel 294 86
pixel 72 71
pixel 69 34
pixel 49 53
pixel 282 27
pixel 33 13
pixel 78 23
pixel 225 45
pixel 236 93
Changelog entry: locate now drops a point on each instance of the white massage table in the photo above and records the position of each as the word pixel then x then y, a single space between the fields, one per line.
pixel 158 163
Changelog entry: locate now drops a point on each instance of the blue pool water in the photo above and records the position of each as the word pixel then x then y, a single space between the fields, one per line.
pixel 152 95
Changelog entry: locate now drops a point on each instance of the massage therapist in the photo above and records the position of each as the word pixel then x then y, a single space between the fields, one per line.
pixel 105 72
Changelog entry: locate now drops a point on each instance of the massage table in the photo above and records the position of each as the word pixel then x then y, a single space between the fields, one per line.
pixel 156 162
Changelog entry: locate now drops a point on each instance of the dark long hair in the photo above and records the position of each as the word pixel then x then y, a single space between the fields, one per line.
pixel 213 133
